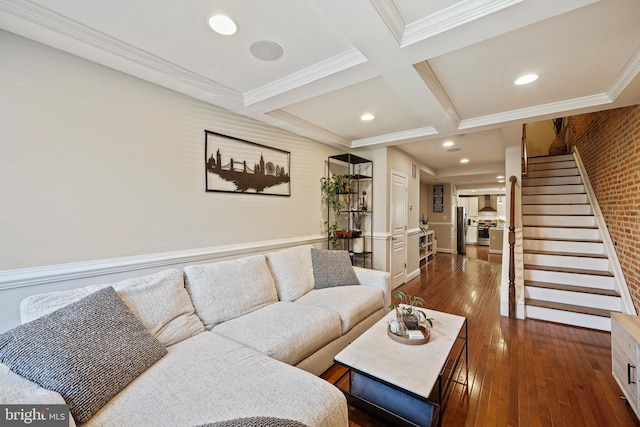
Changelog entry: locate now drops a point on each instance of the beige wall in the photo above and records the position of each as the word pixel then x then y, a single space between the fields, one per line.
pixel 96 164
pixel 442 222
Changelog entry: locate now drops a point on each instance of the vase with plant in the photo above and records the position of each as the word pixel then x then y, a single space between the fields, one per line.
pixel 406 310
pixel 331 188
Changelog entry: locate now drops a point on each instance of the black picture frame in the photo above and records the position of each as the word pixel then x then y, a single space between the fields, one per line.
pixel 438 198
pixel 234 165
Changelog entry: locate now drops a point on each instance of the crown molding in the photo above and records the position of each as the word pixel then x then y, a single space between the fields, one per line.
pixel 313 131
pixel 329 66
pixel 427 74
pixel 536 111
pixel 625 76
pixel 146 65
pixel 444 20
pixel 451 17
pixel 394 137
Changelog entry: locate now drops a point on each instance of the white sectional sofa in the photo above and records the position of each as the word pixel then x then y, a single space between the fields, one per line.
pixel 217 342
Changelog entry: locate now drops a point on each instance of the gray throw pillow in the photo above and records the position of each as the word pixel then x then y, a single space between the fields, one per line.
pixel 87 351
pixel 332 268
pixel 256 422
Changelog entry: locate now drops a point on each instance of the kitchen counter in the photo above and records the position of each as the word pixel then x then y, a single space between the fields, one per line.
pixel 495 240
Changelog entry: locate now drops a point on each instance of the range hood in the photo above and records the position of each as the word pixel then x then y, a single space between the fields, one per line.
pixel 489 206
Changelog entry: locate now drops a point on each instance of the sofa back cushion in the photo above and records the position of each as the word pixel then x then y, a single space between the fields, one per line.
pixel 159 300
pixel 292 271
pixel 228 289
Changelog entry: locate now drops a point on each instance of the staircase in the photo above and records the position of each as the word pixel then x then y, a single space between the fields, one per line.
pixel 567 277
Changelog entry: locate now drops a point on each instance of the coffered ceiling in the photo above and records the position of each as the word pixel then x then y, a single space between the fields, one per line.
pixel 428 70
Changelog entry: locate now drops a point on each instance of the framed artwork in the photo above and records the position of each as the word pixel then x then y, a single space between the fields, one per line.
pixel 234 165
pixel 438 198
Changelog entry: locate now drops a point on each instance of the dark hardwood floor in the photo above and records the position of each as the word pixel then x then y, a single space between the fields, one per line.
pixel 521 372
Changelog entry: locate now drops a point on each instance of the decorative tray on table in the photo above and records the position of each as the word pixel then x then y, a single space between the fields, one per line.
pixel 410 341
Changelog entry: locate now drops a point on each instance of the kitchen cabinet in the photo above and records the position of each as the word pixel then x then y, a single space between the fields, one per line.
pixel 472 210
pixel 472 235
pixel 625 336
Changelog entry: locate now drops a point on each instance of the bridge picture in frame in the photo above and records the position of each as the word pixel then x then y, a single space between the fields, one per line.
pixel 234 165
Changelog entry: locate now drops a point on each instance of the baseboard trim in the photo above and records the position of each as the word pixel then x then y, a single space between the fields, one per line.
pixel 61 272
pixel 413 275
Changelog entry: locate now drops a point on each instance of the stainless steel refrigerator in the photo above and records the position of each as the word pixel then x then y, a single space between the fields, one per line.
pixel 461 225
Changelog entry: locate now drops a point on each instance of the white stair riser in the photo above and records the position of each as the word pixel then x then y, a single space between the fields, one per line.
pixel 557 209
pixel 562 246
pixel 562 233
pixel 555 180
pixel 560 220
pixel 585 263
pixel 604 302
pixel 554 189
pixel 552 165
pixel 569 318
pixel 561 278
pixel 552 172
pixel 554 199
pixel 555 158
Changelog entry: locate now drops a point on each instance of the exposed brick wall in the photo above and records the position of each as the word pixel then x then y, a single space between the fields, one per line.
pixel 609 145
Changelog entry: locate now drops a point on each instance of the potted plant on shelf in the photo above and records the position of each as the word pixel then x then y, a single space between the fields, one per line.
pixel 406 310
pixel 332 187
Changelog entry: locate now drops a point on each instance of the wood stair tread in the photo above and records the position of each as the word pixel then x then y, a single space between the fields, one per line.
pixel 569 307
pixel 553 214
pixel 560 239
pixel 590 227
pixel 568 270
pixel 575 254
pixel 572 288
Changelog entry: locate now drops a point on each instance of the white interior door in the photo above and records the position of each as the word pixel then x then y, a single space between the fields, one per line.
pixel 399 206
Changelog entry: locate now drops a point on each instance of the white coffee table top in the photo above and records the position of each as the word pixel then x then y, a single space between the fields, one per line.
pixel 412 367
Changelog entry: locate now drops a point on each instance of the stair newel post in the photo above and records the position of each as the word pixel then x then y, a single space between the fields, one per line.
pixel 512 244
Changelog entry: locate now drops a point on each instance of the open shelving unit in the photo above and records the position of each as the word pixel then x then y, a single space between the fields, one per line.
pixel 354 223
pixel 427 244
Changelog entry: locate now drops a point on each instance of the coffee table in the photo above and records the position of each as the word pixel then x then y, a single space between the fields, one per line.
pixel 406 383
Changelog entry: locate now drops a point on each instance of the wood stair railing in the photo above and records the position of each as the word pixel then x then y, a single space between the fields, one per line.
pixel 512 244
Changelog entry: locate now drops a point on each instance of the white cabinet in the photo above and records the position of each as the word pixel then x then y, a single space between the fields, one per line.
pixel 502 207
pixel 427 245
pixel 473 206
pixel 472 234
pixel 625 336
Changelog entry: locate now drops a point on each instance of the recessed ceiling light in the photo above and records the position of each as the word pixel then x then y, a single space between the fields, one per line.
pixel 501 180
pixel 500 177
pixel 222 24
pixel 464 161
pixel 526 79
pixel 367 117
pixel 447 144
pixel 266 50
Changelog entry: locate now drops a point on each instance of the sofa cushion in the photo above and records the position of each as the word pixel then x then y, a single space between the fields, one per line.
pixel 224 290
pixel 292 271
pixel 209 378
pixel 159 300
pixel 87 351
pixel 286 331
pixel 332 268
pixel 352 303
